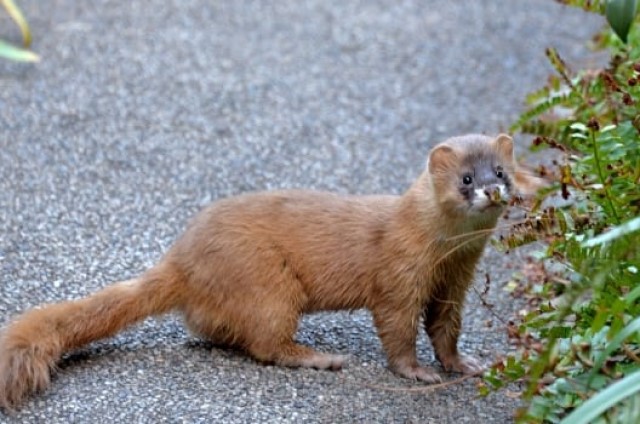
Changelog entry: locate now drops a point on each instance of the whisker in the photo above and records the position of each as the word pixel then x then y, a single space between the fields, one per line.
pixel 487 230
pixel 459 246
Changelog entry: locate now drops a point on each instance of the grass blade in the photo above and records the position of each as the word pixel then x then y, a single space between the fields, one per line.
pixel 604 400
pixel 9 51
pixel 615 233
pixel 18 18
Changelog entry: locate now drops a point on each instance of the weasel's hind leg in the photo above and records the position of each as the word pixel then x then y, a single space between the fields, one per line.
pixel 270 336
pixel 261 322
pixel 291 354
pixel 202 324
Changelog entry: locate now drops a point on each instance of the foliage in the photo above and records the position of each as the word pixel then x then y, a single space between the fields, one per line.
pixel 596 6
pixel 10 51
pixel 578 344
pixel 620 14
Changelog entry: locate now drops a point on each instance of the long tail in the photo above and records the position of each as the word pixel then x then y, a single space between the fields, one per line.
pixel 33 343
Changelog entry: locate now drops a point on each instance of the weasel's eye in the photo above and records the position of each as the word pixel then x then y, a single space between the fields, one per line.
pixel 466 180
pixel 499 173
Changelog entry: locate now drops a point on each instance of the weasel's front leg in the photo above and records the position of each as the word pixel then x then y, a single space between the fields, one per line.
pixel 443 321
pixel 398 330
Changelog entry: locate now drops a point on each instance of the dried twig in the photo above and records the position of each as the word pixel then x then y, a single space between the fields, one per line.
pixel 422 389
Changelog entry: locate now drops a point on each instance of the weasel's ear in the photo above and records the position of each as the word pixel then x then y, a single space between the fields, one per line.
pixel 441 158
pixel 504 144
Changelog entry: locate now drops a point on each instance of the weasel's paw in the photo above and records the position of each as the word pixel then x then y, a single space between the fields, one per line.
pixel 324 361
pixel 426 374
pixel 463 364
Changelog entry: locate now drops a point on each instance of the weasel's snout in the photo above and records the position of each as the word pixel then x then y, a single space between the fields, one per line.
pixel 495 193
pixel 491 190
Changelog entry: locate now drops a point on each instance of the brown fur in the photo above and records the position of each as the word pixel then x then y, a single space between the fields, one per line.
pixel 247 268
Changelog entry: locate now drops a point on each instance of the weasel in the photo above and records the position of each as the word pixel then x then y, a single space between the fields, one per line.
pixel 247 267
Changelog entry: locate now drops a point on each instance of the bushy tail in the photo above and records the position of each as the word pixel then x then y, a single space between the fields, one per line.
pixel 33 343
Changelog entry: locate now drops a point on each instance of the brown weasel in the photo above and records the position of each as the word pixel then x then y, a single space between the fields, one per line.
pixel 247 267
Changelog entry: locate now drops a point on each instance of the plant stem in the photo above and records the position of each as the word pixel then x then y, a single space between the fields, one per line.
pixel 596 156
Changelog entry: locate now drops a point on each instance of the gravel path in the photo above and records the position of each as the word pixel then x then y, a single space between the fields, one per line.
pixel 141 112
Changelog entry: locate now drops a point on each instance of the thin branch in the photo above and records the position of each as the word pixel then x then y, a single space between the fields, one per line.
pixel 423 389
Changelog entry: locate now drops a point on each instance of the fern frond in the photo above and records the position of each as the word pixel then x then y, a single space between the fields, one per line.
pixel 546 128
pixel 544 106
pixel 559 64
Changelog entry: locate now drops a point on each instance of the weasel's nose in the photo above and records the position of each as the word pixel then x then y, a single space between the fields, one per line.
pixel 493 192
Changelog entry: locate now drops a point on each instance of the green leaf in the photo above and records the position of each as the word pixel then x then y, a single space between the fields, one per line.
pixel 604 400
pixel 560 332
pixel 579 126
pixel 600 320
pixel 632 296
pixel 11 52
pixel 615 233
pixel 615 343
pixel 19 19
pixel 620 14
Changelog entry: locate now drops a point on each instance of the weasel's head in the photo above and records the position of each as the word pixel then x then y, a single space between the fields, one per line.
pixel 473 176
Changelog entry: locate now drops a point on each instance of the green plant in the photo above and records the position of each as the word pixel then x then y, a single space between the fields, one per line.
pixel 10 51
pixel 578 346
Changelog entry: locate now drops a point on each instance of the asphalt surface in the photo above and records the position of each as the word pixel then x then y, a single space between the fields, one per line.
pixel 141 112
